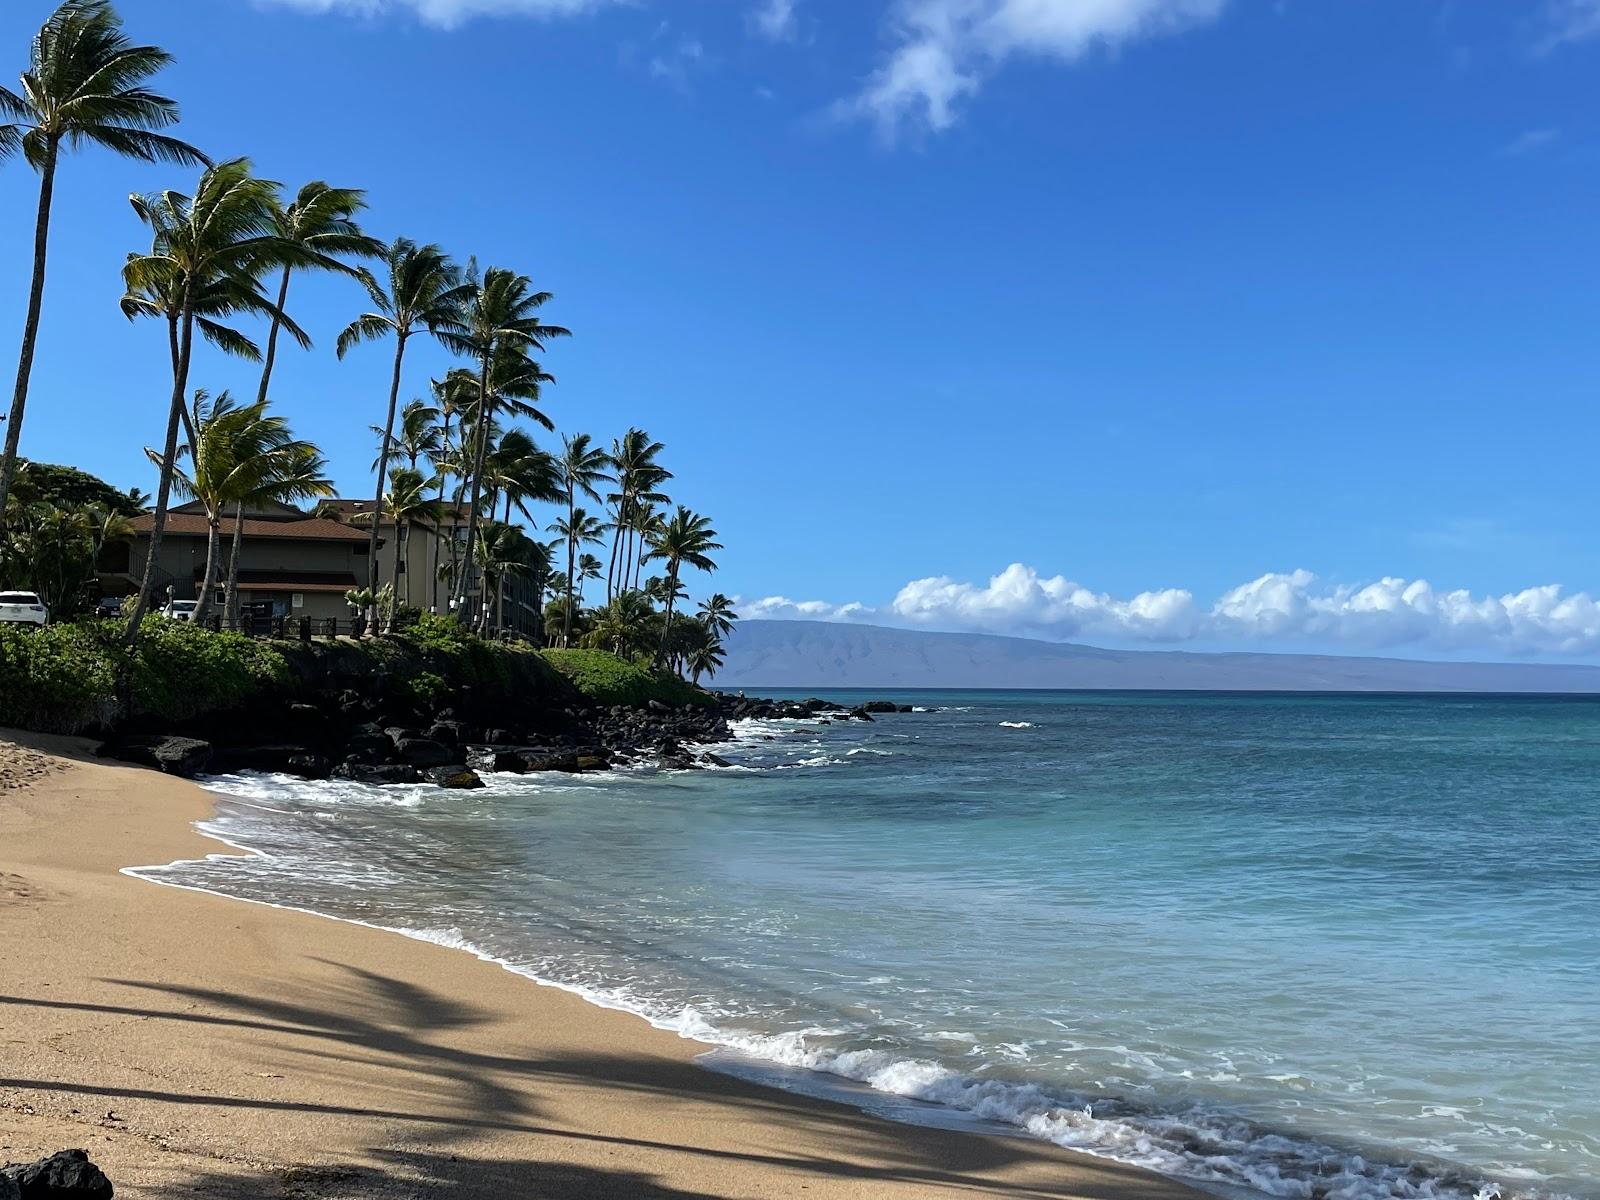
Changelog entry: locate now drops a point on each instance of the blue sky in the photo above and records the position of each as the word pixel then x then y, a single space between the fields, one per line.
pixel 1163 301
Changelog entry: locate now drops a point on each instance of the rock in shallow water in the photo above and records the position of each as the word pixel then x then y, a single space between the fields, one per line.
pixel 183 756
pixel 67 1175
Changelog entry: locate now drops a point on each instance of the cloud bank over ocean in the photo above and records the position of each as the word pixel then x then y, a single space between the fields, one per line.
pixel 1292 609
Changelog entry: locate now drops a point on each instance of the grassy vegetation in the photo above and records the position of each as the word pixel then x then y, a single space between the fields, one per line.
pixel 604 678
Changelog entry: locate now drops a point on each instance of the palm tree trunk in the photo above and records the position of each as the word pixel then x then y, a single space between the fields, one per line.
pixel 208 578
pixel 272 339
pixel 485 417
pixel 169 455
pixel 672 596
pixel 30 327
pixel 233 564
pixel 404 542
pixel 383 462
pixel 572 554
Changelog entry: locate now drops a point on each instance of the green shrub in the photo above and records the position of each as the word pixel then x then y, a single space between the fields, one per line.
pixel 180 669
pixel 59 679
pixel 604 678
pixel 427 689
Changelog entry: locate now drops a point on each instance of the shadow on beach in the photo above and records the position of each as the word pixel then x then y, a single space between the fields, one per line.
pixel 366 1037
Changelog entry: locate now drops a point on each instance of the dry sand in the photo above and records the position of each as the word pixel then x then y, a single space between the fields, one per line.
pixel 203 1047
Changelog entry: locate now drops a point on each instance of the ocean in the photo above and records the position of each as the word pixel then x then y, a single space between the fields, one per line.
pixel 1330 946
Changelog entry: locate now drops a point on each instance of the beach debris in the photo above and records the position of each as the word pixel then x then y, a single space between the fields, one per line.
pixel 65 1175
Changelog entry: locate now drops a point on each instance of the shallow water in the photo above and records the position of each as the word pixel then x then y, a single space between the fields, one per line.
pixel 1331 946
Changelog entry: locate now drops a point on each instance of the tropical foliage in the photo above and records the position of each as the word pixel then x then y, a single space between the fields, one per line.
pixel 464 474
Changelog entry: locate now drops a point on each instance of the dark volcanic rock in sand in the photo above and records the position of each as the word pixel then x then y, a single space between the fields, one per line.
pixel 183 756
pixel 67 1175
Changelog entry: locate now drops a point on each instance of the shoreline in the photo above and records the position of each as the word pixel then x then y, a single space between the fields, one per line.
pixel 199 1046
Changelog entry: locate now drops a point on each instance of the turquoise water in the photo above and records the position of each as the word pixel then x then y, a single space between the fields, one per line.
pixel 1330 946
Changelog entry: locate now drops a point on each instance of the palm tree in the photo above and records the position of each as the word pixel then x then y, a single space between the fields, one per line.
pixel 578 528
pixel 589 567
pixel 210 247
pixel 408 504
pixel 638 476
pixel 623 626
pixel 321 221
pixel 84 83
pixel 497 314
pixel 419 436
pixel 687 538
pixel 717 613
pixel 420 291
pixel 241 455
pixel 644 527
pixel 705 658
pixel 504 552
pixel 518 472
pixel 583 465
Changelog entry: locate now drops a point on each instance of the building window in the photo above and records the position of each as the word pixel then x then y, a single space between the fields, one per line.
pixel 297 600
pixel 359 549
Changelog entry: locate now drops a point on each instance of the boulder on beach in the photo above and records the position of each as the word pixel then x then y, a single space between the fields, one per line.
pixel 183 756
pixel 66 1175
pixel 425 752
pixel 456 778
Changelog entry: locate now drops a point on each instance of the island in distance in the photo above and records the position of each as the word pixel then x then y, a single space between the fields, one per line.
pixel 820 654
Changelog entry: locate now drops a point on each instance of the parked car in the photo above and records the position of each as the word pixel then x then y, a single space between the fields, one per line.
pixel 23 608
pixel 180 610
pixel 108 606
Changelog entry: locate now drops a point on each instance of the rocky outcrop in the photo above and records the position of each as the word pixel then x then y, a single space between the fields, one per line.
pixel 67 1175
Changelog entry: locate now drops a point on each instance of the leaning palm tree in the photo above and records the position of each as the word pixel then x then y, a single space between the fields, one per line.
pixel 321 221
pixel 687 538
pixel 583 466
pixel 420 291
pixel 238 456
pixel 716 612
pixel 589 568
pixel 85 83
pixel 498 313
pixel 214 246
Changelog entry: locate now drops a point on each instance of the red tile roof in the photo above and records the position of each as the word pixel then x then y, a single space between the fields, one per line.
pixel 313 529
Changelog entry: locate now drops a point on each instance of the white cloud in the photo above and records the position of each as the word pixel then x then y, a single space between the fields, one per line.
pixel 448 14
pixel 947 47
pixel 1283 610
pixel 775 20
pixel 1531 141
pixel 1570 21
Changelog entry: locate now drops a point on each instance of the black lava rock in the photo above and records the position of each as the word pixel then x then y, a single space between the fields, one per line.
pixel 67 1175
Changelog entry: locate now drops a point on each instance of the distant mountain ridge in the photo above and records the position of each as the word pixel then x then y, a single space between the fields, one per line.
pixel 819 654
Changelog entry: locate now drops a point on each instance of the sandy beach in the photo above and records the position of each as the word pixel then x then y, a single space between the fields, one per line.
pixel 199 1046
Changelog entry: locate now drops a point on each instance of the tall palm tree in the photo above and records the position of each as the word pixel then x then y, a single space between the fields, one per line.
pixel 716 611
pixel 583 466
pixel 321 221
pixel 85 83
pixel 420 290
pixel 643 528
pixel 213 245
pixel 578 528
pixel 242 455
pixel 498 313
pixel 687 538
pixel 638 476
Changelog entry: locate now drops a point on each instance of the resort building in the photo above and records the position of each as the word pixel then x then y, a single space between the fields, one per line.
pixel 294 563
